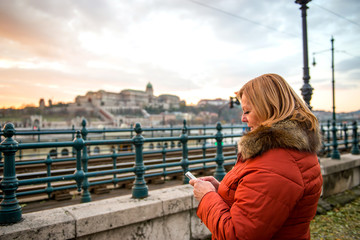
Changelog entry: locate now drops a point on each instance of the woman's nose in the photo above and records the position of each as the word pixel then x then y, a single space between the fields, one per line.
pixel 243 118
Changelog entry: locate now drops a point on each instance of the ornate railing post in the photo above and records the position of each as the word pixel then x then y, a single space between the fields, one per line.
pixel 328 139
pixel 172 144
pixel 322 130
pixel 346 137
pixel 38 134
pixel 20 152
pixel 73 137
pixel 219 171
pixel 203 148
pixel 355 140
pixel 10 210
pixel 185 151
pixel 340 131
pixel 335 152
pixel 79 174
pixel 49 188
pixel 0 142
pixel 113 157
pixel 131 136
pixel 232 132
pixel 163 153
pixel 139 190
pixel 86 197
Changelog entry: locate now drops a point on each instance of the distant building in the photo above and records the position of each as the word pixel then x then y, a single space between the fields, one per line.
pixel 138 98
pixel 128 102
pixel 168 101
pixel 42 103
pixel 214 102
pixel 130 97
pixel 99 98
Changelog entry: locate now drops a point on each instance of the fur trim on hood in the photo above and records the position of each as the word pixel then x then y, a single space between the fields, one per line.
pixel 287 134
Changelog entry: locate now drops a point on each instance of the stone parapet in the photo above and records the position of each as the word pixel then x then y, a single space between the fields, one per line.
pixel 340 175
pixel 168 213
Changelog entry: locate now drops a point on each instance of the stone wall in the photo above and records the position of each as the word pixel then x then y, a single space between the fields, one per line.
pixel 340 175
pixel 168 213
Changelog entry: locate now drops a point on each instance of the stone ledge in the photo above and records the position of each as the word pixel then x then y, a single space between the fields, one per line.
pixel 117 212
pixel 109 218
pixel 48 224
pixel 347 161
pixel 340 175
pixel 101 216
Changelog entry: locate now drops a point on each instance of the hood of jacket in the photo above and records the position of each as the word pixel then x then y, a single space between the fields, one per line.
pixel 288 134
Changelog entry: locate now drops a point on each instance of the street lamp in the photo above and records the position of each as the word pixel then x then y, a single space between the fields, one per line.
pixel 335 154
pixel 333 75
pixel 306 90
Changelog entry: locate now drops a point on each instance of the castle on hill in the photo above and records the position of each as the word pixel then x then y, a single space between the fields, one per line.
pixel 129 99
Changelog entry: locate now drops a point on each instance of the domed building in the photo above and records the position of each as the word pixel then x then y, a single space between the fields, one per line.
pixel 149 89
pixel 129 98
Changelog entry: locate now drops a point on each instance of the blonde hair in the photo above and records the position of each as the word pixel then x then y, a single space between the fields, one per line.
pixel 273 100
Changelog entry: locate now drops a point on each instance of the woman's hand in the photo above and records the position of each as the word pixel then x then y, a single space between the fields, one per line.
pixel 201 188
pixel 212 180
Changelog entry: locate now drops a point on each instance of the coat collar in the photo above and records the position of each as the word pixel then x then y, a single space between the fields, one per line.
pixel 288 134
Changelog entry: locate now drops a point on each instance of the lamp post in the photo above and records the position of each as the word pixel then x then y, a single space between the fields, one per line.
pixel 332 75
pixel 333 79
pixel 306 90
pixel 335 154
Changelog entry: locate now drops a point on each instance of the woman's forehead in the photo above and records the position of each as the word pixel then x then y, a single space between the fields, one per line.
pixel 244 101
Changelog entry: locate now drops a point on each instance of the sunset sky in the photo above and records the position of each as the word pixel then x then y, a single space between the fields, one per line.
pixel 203 49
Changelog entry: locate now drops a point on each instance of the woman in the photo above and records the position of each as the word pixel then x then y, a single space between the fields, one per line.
pixel 273 189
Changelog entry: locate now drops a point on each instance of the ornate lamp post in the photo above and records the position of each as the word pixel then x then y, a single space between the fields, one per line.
pixel 333 79
pixel 335 154
pixel 306 90
pixel 332 75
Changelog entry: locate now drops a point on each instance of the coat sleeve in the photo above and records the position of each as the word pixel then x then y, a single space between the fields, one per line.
pixel 263 201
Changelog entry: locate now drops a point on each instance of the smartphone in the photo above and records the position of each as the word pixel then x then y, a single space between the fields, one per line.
pixel 189 175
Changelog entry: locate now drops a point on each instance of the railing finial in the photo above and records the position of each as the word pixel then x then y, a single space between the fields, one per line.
pixel 83 122
pixel 138 128
pixel 10 210
pixel 184 129
pixel 218 126
pixel 9 130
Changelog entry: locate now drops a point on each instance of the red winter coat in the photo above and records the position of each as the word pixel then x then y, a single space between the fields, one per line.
pixel 273 189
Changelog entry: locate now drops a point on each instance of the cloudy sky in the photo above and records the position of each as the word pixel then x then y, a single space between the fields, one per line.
pixel 196 49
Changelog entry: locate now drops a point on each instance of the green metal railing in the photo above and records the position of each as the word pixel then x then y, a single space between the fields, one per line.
pixel 339 136
pixel 10 211
pixel 335 135
pixel 51 135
